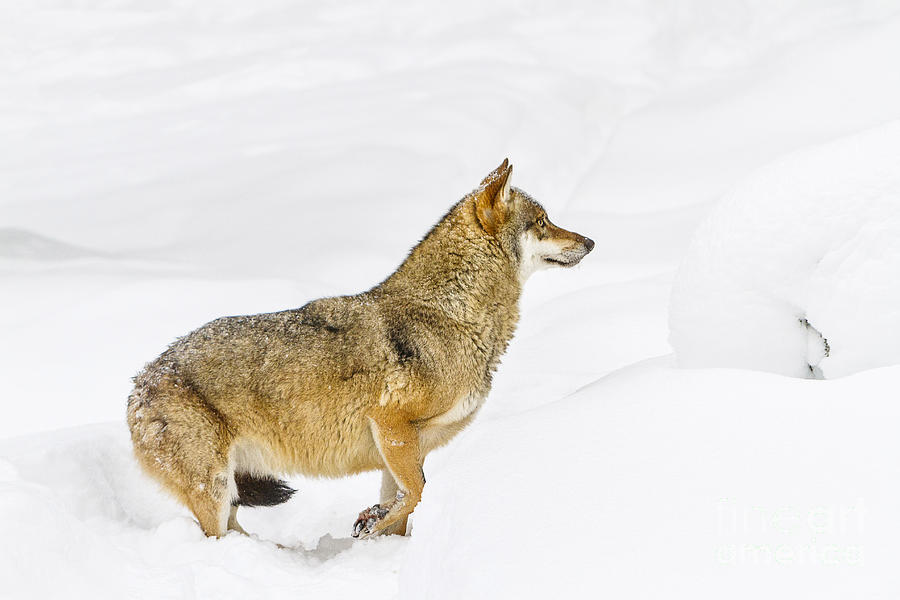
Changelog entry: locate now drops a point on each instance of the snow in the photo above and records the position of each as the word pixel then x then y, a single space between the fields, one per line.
pixel 658 482
pixel 796 269
pixel 166 163
pixel 81 516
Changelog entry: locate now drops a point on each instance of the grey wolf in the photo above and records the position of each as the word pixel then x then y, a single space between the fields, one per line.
pixel 373 381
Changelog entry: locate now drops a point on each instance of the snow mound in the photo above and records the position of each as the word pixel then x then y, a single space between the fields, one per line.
pixel 666 483
pixel 22 244
pixel 797 270
pixel 80 520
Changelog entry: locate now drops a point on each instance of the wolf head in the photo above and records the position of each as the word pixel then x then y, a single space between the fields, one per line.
pixel 521 223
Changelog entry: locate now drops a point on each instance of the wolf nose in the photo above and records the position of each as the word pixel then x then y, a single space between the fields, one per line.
pixel 589 244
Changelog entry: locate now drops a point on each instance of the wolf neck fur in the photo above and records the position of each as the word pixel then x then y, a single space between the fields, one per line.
pixel 461 269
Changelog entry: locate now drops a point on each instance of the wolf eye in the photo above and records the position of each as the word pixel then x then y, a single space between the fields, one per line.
pixel 541 222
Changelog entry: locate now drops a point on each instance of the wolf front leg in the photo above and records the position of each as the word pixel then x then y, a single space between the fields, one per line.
pixel 389 491
pixel 397 440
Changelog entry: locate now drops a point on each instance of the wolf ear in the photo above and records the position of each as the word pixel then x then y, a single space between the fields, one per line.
pixel 492 198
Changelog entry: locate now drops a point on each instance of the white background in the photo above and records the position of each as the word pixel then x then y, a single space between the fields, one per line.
pixel 165 163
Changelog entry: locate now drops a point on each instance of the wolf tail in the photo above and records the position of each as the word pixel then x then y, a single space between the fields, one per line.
pixel 255 490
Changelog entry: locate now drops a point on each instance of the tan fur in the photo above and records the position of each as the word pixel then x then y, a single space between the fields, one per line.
pixel 352 383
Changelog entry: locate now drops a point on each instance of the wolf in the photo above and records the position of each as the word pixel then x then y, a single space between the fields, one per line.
pixel 342 385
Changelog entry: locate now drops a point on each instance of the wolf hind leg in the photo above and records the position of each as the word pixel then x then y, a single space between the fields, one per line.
pixel 233 524
pixel 212 507
pixel 184 444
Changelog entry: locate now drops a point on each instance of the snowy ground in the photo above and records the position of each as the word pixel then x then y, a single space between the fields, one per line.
pixel 165 163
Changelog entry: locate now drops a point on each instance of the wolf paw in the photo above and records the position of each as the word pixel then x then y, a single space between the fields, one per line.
pixel 365 523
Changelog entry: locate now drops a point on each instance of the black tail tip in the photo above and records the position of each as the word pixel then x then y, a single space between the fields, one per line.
pixel 256 490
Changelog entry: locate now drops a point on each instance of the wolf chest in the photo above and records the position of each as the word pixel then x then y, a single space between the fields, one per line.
pixel 464 407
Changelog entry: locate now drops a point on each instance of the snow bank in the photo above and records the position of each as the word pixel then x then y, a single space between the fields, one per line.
pixel 797 270
pixel 79 520
pixel 665 483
